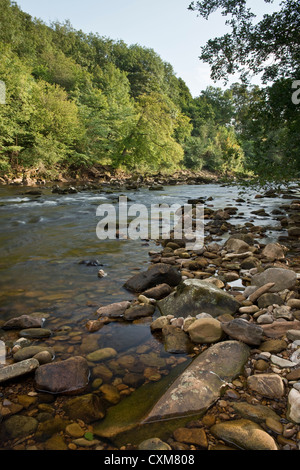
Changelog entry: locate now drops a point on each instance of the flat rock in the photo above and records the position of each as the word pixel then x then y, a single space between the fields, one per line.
pixel 194 296
pixel 22 322
pixel 157 274
pixel 200 385
pixel 268 385
pixel 139 311
pixel 31 351
pixel 65 377
pixel 258 413
pixel 115 310
pixel 18 426
pixel 154 444
pixel 242 330
pixel 244 434
pixel 36 333
pixel 18 369
pixel 282 278
pixel 279 328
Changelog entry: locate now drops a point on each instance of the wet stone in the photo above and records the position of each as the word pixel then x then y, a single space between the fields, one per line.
pixel 22 322
pixel 36 333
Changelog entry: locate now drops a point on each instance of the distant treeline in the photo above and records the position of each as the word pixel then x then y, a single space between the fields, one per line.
pixel 74 100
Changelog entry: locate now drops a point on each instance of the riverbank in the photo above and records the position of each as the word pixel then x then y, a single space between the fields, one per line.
pixel 257 401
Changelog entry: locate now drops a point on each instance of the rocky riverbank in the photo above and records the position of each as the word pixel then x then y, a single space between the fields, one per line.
pixel 228 320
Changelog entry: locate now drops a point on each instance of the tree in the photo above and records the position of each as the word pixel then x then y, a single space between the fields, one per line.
pixel 250 45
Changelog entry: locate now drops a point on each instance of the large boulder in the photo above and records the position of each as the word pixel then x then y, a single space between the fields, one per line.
pixel 65 377
pixel 282 278
pixel 200 385
pixel 157 274
pixel 194 296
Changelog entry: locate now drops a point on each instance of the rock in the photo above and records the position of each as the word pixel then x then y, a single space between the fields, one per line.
pixel 200 385
pixel 31 351
pixel 139 311
pixel 101 354
pixel 282 311
pixel 65 377
pixel 273 345
pixel 273 251
pixel 17 370
pixel 23 322
pixel 279 328
pixel 265 318
pixel 133 380
pixel 281 362
pixel 194 296
pixel 44 357
pixel 56 442
pixel 268 385
pixel 115 310
pixel 244 434
pixel 154 444
pixel 18 426
pixel 205 330
pixel 258 413
pixel 157 274
pixel 293 412
pixel 74 430
pixel 236 246
pixel 89 408
pixel 282 278
pixel 158 292
pixel 110 393
pixel 175 340
pixel 293 335
pixel 294 303
pixel 159 323
pixel 48 428
pixel 269 299
pixel 242 330
pixel 195 436
pixel 36 333
pixel 258 292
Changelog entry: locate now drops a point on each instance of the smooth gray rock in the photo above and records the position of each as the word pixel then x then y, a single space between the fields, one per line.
pixel 242 330
pixel 283 279
pixel 18 369
pixel 194 296
pixel 31 351
pixel 157 274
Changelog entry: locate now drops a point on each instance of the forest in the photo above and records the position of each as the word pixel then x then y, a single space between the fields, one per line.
pixel 74 100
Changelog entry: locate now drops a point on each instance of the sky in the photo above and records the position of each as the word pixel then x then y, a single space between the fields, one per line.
pixel 167 26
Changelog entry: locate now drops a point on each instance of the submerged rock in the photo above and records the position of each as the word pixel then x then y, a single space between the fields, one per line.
pixel 65 377
pixel 194 296
pixel 16 370
pixel 23 322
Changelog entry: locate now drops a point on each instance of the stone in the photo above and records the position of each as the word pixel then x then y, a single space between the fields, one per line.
pixel 282 311
pixel 18 426
pixel 48 428
pixel 175 340
pixel 282 278
pixel 154 444
pixel 293 335
pixel 115 310
pixel 36 333
pixel 23 322
pixel 89 408
pixel 157 274
pixel 273 345
pixel 269 298
pixel 268 385
pixel 236 246
pixel 281 362
pixel 195 436
pixel 242 330
pixel 31 351
pixel 110 393
pixel 64 377
pixel 205 330
pixel 293 412
pixel 44 357
pixel 159 323
pixel 18 369
pixel 258 413
pixel 244 434
pixel 56 442
pixel 279 328
pixel 139 311
pixel 258 292
pixel 294 303
pixel 200 385
pixel 158 292
pixel 273 251
pixel 74 430
pixel 101 354
pixel 194 296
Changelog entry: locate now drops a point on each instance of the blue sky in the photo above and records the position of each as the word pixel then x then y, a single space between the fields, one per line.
pixel 167 26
